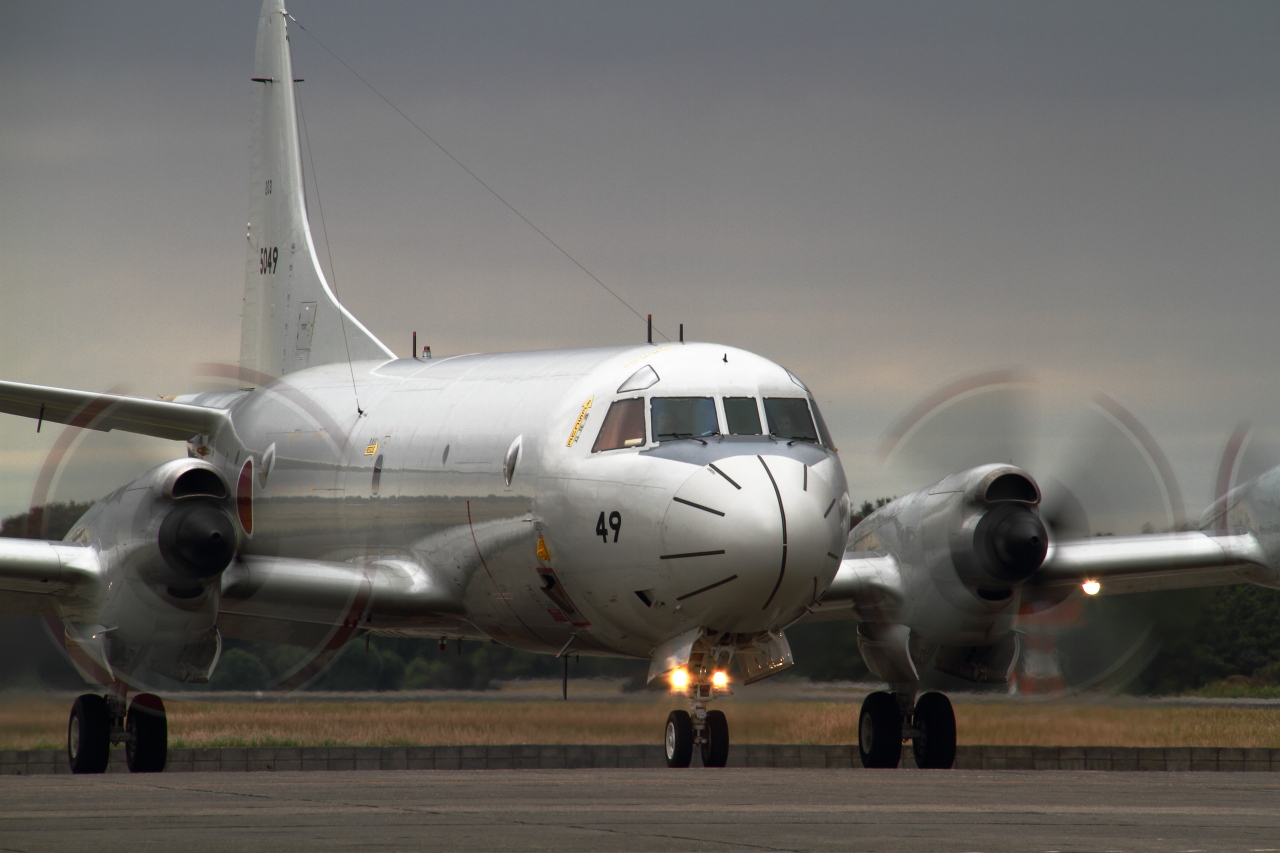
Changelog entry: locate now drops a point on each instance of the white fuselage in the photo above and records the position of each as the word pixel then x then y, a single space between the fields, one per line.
pixel 488 468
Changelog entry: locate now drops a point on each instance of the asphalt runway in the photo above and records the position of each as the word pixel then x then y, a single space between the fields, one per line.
pixel 644 810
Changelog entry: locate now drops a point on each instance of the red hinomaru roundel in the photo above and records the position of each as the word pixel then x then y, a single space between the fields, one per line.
pixel 244 497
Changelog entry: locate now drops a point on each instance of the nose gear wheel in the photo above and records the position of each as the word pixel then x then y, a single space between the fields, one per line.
pixel 679 740
pixel 715 744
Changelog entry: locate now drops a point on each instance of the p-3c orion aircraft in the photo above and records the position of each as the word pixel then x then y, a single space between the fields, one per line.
pixel 682 504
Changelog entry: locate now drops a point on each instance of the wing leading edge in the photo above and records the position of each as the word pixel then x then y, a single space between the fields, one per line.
pixel 1122 564
pixel 105 412
pixel 870 585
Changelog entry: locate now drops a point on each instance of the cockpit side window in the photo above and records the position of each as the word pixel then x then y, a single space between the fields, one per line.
pixel 683 417
pixel 623 426
pixel 823 432
pixel 789 418
pixel 742 415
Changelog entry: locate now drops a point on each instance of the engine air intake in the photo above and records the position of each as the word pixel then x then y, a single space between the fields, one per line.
pixel 1011 487
pixel 199 483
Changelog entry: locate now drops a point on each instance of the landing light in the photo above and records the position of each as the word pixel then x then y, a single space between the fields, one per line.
pixel 720 679
pixel 680 679
pixel 1091 587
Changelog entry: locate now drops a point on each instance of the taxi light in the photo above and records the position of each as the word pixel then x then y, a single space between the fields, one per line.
pixel 680 679
pixel 720 679
pixel 1091 587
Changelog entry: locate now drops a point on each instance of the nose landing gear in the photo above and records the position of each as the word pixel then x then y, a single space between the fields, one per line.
pixel 708 730
pixel 887 719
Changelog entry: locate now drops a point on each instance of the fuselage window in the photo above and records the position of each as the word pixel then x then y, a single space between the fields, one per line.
pixel 742 416
pixel 623 426
pixel 789 418
pixel 683 417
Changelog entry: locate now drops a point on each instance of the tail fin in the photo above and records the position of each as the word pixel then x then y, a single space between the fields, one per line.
pixel 291 318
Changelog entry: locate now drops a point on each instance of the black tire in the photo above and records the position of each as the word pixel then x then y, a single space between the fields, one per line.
pixel 935 748
pixel 880 731
pixel 715 749
pixel 148 747
pixel 89 735
pixel 679 739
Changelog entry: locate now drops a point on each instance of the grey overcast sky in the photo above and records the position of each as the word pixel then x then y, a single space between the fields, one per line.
pixel 883 196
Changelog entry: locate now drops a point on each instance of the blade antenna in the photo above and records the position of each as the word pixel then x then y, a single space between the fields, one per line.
pixel 328 249
pixel 477 178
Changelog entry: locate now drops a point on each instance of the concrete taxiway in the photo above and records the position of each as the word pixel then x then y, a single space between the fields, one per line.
pixel 638 809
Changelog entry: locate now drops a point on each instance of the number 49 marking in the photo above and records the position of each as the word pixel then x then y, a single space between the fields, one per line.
pixel 615 524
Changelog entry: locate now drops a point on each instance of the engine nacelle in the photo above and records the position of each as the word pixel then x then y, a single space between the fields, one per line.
pixel 963 546
pixel 999 540
pixel 163 542
pixel 170 528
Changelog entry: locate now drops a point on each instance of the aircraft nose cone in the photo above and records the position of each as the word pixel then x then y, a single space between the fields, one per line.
pixel 749 539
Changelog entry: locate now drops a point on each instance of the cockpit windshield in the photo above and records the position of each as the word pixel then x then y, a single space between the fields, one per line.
pixel 683 417
pixel 742 415
pixel 789 418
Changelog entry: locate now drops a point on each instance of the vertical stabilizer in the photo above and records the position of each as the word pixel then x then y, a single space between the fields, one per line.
pixel 291 318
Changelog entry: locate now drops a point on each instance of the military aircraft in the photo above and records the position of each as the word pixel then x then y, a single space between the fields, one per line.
pixel 680 503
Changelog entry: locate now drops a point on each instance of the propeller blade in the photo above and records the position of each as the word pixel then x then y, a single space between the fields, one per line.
pixel 1100 472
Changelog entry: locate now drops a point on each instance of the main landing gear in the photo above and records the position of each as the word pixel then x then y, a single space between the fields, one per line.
pixel 887 719
pixel 708 730
pixel 97 722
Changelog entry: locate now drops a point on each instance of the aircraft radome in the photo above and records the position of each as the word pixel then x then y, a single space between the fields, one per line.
pixel 678 503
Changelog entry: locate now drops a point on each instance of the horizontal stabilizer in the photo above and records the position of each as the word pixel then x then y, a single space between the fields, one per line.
pixel 105 412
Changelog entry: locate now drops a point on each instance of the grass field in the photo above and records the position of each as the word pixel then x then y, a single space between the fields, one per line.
pixel 41 723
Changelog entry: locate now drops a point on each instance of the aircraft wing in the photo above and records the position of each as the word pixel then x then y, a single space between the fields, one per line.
pixel 385 594
pixel 870 585
pixel 105 412
pixel 294 600
pixel 1153 562
pixel 33 573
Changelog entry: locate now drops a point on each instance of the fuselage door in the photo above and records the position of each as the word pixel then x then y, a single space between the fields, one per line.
pixel 306 325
